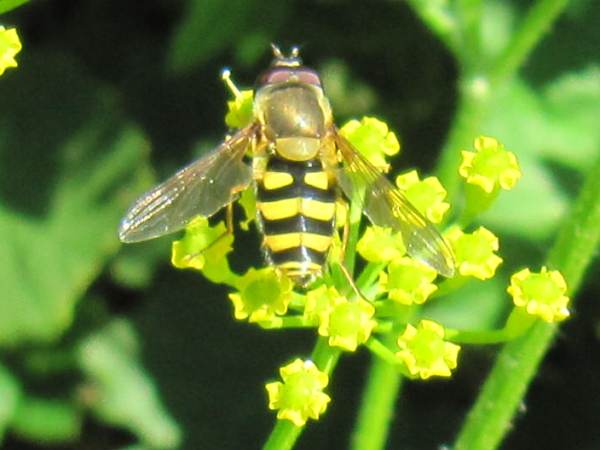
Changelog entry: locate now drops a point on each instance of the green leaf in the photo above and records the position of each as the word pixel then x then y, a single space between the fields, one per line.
pixel 125 395
pixel 44 420
pixel 533 209
pixel 558 123
pixel 478 305
pixel 135 265
pixel 10 393
pixel 210 26
pixel 8 5
pixel 68 165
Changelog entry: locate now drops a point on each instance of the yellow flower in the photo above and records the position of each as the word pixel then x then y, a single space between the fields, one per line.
pixel 262 295
pixel 301 395
pixel 347 323
pixel 378 244
pixel 425 352
pixel 426 195
pixel 373 139
pixel 204 248
pixel 541 294
pixel 10 45
pixel 408 281
pixel 317 302
pixel 490 166
pixel 475 252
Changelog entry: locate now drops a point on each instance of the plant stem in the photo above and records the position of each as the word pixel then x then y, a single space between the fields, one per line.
pixel 469 116
pixel 537 22
pixel 469 18
pixel 377 406
pixel 476 87
pixel 285 433
pixel 440 20
pixel 489 419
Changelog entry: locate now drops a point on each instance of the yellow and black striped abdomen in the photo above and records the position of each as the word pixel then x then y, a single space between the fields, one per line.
pixel 296 211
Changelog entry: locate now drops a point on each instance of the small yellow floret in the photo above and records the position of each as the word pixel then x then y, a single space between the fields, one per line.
pixel 301 395
pixel 490 167
pixel 425 352
pixel 10 45
pixel 541 294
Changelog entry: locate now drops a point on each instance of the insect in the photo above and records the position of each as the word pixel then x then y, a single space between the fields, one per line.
pixel 300 165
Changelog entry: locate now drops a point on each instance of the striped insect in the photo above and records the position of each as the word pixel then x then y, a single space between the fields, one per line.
pixel 300 167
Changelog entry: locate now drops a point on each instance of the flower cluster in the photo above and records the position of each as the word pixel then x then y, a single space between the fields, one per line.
pixel 348 314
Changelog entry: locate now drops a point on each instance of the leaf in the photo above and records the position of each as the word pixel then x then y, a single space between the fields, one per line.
pixel 557 124
pixel 209 26
pixel 478 305
pixel 125 395
pixel 43 420
pixel 67 166
pixel 533 209
pixel 8 5
pixel 10 393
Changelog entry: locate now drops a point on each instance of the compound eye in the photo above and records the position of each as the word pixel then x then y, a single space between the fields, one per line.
pixel 275 75
pixel 285 74
pixel 308 76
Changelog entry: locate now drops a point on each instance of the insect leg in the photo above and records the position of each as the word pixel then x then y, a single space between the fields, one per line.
pixel 351 281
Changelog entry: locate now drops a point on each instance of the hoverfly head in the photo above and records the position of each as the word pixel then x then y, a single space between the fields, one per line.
pixel 288 69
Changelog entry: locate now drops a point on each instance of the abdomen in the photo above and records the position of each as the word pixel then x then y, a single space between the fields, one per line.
pixel 296 211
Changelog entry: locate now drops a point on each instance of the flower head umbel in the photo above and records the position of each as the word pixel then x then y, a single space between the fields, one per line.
pixel 347 323
pixel 475 252
pixel 490 167
pixel 408 281
pixel 373 139
pixel 379 244
pixel 262 295
pixel 301 395
pixel 204 248
pixel 239 110
pixel 10 45
pixel 541 294
pixel 427 195
pixel 425 352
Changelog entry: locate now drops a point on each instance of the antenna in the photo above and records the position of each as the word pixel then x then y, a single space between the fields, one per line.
pixel 291 60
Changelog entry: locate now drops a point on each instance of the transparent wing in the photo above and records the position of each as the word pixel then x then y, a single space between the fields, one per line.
pixel 202 188
pixel 386 206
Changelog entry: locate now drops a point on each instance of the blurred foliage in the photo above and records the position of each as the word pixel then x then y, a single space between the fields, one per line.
pixel 105 347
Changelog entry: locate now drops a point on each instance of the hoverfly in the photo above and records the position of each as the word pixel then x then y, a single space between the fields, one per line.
pixel 300 166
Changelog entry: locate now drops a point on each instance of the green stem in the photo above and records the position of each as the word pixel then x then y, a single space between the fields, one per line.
pixel 469 17
pixel 537 22
pixel 355 218
pixel 490 418
pixel 285 433
pixel 440 20
pixel 377 406
pixel 469 116
pixel 476 88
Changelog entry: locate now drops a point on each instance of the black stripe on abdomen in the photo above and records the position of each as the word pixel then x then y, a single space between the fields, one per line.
pixel 298 254
pixel 298 223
